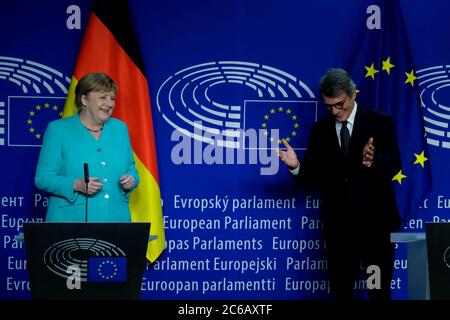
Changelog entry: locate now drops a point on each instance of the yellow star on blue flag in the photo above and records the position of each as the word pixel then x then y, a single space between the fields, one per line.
pixel 395 93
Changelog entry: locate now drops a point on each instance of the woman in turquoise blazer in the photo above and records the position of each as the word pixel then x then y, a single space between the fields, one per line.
pixel 92 136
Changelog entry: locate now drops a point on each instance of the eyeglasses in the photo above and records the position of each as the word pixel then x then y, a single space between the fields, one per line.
pixel 339 105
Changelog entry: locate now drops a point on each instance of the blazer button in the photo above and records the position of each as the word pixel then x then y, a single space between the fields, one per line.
pixel 105 180
pixel 103 163
pixel 106 196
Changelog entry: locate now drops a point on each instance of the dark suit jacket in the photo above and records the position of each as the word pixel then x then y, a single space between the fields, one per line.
pixel 357 202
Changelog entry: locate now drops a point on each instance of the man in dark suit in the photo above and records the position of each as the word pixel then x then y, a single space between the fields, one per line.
pixel 352 156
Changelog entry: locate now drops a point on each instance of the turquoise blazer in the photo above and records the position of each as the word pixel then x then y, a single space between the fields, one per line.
pixel 66 147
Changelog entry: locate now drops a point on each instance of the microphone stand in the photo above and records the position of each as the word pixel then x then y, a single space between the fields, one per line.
pixel 86 195
pixel 86 181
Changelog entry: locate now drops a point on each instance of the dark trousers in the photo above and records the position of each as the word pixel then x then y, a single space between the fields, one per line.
pixel 345 258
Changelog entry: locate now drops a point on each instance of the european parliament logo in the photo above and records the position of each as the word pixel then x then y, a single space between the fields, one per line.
pixel 235 113
pixel 224 99
pixel 92 260
pixel 446 257
pixel 434 86
pixel 40 93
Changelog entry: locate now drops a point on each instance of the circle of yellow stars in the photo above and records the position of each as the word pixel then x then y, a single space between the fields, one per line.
pixel 100 272
pixel 33 113
pixel 280 110
pixel 387 65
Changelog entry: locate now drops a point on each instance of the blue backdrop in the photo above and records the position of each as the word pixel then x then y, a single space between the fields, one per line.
pixel 226 78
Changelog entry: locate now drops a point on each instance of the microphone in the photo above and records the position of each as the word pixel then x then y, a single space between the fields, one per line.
pixel 86 173
pixel 86 180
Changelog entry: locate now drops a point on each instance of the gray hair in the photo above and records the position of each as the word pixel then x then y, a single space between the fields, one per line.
pixel 334 81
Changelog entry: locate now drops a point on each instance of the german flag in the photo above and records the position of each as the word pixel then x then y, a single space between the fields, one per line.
pixel 110 45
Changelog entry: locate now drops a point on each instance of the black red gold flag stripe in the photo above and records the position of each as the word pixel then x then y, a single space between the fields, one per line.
pixel 110 45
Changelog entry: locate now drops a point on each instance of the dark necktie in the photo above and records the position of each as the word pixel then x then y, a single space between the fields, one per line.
pixel 345 139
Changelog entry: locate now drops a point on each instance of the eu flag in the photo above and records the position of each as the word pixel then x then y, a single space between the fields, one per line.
pixel 107 269
pixel 291 120
pixel 385 76
pixel 29 117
